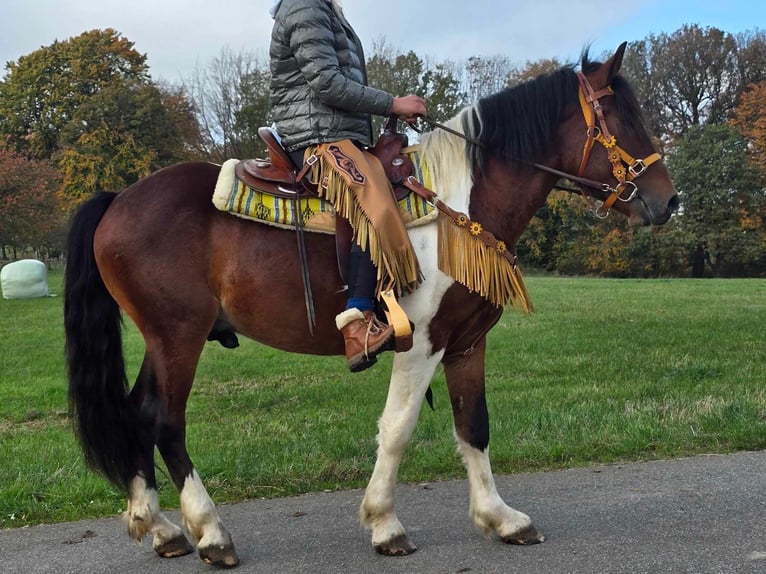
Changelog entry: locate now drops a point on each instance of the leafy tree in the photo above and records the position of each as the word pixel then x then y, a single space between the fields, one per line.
pixel 723 200
pixel 29 209
pixel 750 119
pixel 120 134
pixel 406 73
pixel 441 89
pixel 43 90
pixel 532 69
pixel 254 113
pixel 395 72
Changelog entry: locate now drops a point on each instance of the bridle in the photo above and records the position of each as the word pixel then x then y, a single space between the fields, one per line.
pixel 618 157
pixel 625 167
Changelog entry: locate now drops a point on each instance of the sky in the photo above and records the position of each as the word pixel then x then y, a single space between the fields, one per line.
pixel 179 36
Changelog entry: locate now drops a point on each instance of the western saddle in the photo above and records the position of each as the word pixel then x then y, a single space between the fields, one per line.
pixel 279 176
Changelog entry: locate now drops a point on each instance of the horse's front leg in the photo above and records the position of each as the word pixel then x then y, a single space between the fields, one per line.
pixel 465 381
pixel 410 378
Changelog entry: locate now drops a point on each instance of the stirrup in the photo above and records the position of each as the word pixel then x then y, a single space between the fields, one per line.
pixel 397 318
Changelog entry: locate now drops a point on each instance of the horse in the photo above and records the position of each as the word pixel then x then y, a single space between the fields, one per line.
pixel 185 272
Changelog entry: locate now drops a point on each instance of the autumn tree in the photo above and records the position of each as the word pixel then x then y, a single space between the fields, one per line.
pixel 118 135
pixel 42 91
pixel 29 210
pixel 89 104
pixel 750 119
pixel 532 69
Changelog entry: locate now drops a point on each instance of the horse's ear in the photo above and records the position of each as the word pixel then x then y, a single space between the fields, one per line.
pixel 609 69
pixel 616 60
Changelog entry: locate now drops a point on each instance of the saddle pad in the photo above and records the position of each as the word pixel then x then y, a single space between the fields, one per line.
pixel 234 196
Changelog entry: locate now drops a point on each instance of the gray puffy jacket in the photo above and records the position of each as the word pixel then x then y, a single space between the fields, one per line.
pixel 319 89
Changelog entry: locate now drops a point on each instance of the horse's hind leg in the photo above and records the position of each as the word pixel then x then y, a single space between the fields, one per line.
pixel 175 374
pixel 465 381
pixel 409 381
pixel 143 512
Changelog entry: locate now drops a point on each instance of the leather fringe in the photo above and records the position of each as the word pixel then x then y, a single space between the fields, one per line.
pixel 397 264
pixel 472 263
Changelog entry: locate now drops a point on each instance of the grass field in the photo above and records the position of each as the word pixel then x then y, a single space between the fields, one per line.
pixel 606 370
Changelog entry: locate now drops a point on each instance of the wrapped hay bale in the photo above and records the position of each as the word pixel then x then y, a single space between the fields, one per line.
pixel 24 279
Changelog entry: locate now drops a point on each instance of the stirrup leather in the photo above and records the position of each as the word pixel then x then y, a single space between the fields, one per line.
pixel 398 319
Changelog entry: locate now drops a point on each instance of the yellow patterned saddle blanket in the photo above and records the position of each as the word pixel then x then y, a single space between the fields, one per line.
pixel 236 197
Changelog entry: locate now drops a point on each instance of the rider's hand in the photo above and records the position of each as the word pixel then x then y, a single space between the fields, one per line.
pixel 409 108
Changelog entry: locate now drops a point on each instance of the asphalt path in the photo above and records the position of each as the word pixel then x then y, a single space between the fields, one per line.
pixel 696 515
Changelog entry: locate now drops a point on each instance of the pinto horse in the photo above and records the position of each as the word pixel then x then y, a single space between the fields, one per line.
pixel 184 272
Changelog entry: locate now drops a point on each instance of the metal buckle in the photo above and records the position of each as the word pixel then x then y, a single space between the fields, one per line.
pixel 636 171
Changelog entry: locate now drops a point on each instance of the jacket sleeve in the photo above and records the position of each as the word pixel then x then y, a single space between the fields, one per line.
pixel 312 42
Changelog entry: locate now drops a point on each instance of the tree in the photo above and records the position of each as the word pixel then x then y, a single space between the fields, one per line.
pixel 750 119
pixel 751 56
pixel 487 75
pixel 685 79
pixel 532 69
pixel 229 101
pixel 723 200
pixel 441 89
pixel 394 72
pixel 693 76
pixel 254 113
pixel 42 91
pixel 120 134
pixel 406 73
pixel 29 209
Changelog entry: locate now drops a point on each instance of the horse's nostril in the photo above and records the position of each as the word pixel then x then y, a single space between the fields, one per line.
pixel 673 204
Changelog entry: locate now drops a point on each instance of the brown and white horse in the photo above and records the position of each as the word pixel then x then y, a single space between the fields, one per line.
pixel 183 271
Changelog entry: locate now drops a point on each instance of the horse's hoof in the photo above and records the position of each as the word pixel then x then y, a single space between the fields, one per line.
pixel 399 546
pixel 178 546
pixel 530 535
pixel 222 556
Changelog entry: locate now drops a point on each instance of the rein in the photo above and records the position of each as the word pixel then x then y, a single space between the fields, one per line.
pixel 618 157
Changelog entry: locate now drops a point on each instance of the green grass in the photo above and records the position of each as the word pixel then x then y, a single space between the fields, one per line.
pixel 604 371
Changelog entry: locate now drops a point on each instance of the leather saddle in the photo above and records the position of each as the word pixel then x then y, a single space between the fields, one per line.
pixel 279 176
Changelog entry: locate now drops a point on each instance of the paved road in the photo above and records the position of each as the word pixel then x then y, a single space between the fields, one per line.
pixel 697 515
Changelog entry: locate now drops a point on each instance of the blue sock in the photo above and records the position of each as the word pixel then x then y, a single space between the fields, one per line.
pixel 361 303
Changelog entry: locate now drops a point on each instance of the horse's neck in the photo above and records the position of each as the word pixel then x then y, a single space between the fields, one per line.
pixel 504 199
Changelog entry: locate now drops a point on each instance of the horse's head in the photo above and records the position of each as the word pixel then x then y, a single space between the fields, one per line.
pixel 604 140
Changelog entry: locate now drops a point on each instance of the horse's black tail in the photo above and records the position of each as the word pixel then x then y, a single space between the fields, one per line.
pixel 103 416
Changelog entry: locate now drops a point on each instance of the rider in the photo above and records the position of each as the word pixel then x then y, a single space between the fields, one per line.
pixel 319 95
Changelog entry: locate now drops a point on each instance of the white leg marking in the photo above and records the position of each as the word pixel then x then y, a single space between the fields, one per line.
pixel 144 516
pixel 488 511
pixel 409 381
pixel 200 515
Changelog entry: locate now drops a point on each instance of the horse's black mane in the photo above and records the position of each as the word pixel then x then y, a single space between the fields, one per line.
pixel 520 123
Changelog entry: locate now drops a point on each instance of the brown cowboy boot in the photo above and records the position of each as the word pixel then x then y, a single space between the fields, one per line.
pixel 365 338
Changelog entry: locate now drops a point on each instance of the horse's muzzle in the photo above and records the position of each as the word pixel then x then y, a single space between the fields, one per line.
pixel 648 211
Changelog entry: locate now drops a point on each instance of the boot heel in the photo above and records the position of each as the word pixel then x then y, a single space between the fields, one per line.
pixel 397 318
